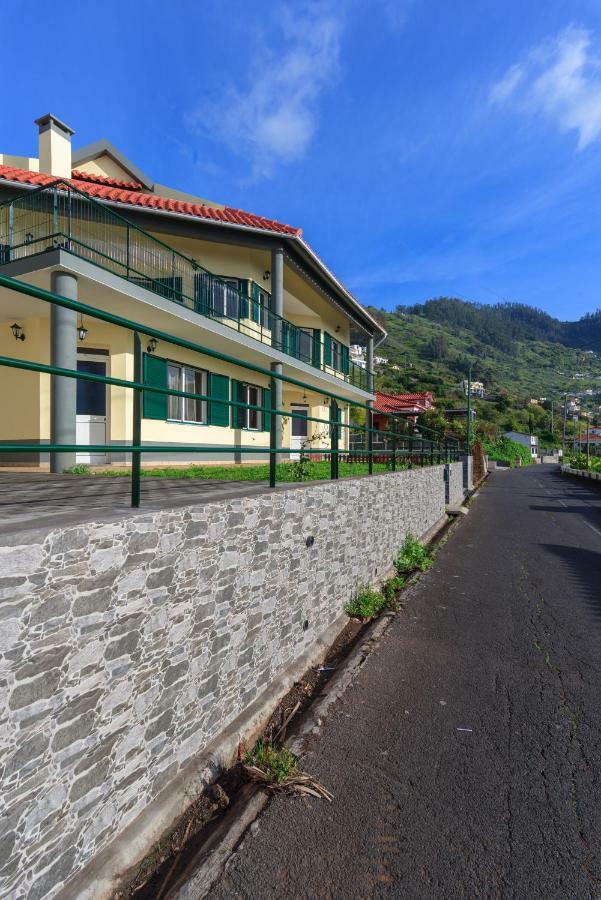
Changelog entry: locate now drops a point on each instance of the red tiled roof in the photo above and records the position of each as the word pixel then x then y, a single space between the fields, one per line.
pixel 78 175
pixel 99 189
pixel 394 403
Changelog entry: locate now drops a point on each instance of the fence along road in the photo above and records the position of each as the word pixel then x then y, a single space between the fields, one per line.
pixel 465 760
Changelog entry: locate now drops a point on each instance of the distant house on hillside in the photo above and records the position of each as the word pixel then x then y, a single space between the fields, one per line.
pixel 477 388
pixel 410 406
pixel 528 440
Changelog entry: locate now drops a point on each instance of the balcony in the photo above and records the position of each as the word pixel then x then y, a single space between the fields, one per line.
pixel 61 217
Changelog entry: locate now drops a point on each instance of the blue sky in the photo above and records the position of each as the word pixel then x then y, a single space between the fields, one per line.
pixel 426 147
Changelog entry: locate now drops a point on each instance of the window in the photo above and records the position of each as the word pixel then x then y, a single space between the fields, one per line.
pixel 194 381
pixel 260 306
pixel 226 297
pixel 305 344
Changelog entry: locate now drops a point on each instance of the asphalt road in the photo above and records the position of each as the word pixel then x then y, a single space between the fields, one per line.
pixel 465 761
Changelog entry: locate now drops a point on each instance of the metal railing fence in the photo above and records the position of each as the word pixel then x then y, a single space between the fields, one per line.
pixel 59 216
pixel 405 450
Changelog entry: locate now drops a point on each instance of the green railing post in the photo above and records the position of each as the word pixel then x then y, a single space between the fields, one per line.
pixel 273 424
pixel 55 221
pixel 11 230
pixel 370 438
pixel 127 251
pixel 136 424
pixel 394 445
pixel 334 440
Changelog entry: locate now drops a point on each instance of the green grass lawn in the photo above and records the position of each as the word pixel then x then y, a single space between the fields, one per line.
pixel 315 471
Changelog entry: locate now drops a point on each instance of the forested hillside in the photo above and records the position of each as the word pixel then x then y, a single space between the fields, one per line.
pixel 520 353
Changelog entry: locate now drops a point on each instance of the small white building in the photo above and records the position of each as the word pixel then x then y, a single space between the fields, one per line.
pixel 528 440
pixel 477 388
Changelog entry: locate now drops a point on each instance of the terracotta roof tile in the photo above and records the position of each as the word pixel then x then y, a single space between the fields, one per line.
pixel 394 403
pixel 114 191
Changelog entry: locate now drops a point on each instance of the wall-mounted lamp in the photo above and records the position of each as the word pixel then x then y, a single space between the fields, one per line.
pixel 337 329
pixel 266 275
pixel 304 396
pixel 29 237
pixel 82 331
pixel 326 401
pixel 18 333
pixel 152 345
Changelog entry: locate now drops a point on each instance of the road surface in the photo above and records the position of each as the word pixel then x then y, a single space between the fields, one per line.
pixel 465 761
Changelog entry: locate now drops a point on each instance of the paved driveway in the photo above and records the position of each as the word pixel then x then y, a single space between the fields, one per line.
pixel 465 761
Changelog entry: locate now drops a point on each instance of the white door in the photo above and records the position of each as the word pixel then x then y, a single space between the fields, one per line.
pixel 299 429
pixel 91 409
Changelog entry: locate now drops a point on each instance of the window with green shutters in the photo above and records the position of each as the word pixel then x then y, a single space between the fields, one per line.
pixel 344 359
pixel 238 413
pixel 242 416
pixel 154 406
pixel 327 350
pixel 219 389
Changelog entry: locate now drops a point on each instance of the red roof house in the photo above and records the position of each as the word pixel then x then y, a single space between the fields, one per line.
pixel 410 406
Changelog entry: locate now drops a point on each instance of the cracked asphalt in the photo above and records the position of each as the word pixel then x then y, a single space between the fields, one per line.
pixel 465 759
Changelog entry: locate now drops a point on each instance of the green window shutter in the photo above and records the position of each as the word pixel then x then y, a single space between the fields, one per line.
pixel 155 373
pixel 238 413
pixel 219 389
pixel 327 349
pixel 256 309
pixel 266 402
pixel 243 288
pixel 316 348
pixel 345 360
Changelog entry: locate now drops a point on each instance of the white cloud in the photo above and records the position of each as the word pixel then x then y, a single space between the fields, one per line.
pixel 272 118
pixel 561 80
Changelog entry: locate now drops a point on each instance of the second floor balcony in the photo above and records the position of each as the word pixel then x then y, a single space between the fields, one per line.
pixel 61 217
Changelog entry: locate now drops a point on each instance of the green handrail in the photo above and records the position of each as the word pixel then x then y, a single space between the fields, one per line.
pixel 148 262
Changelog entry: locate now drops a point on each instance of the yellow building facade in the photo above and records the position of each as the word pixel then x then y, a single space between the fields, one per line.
pixel 243 289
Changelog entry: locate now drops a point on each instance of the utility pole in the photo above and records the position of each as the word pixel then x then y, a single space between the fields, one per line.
pixel 469 410
pixel 565 417
pixel 552 418
pixel 588 445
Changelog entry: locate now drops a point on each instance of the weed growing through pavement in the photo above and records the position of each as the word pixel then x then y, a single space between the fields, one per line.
pixel 276 763
pixel 276 768
pixel 413 556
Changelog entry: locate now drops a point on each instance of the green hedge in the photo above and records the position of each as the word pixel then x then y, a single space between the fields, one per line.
pixel 506 450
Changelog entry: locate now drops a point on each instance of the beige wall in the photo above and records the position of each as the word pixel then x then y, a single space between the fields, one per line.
pixel 25 396
pixel 21 397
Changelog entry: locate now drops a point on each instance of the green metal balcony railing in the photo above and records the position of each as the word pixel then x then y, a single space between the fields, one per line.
pixel 405 450
pixel 59 216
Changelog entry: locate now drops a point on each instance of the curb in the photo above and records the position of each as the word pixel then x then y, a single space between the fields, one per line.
pixel 204 870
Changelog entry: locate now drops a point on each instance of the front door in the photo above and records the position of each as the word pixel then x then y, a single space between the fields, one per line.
pixel 299 430
pixel 91 409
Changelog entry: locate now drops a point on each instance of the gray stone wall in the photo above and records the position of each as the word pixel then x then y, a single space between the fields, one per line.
pixel 456 488
pixel 126 647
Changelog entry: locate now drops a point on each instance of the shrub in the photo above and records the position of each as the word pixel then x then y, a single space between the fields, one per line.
pixel 505 450
pixel 390 589
pixel 366 604
pixel 413 556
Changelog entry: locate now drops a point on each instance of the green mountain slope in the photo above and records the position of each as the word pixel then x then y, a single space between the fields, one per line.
pixel 434 348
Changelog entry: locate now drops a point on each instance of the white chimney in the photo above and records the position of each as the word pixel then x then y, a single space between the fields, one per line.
pixel 54 144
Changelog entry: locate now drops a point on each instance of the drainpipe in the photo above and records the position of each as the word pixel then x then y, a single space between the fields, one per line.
pixel 277 307
pixel 63 353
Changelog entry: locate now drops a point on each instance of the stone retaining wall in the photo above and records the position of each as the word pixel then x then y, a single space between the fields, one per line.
pixel 127 647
